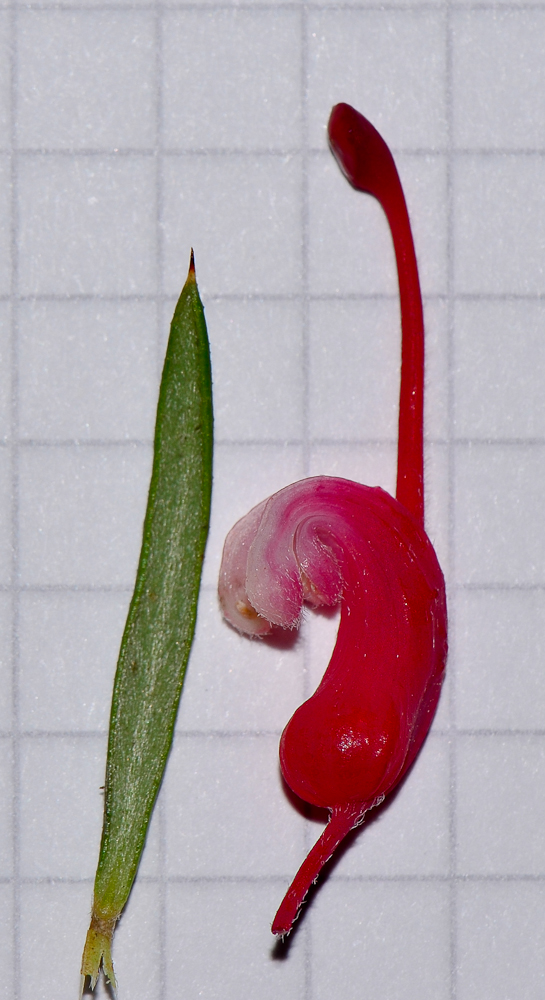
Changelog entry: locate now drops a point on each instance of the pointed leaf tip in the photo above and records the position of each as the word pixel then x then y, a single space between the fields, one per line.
pixel 191 276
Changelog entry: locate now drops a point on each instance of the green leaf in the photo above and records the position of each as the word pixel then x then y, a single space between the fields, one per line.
pixel 161 620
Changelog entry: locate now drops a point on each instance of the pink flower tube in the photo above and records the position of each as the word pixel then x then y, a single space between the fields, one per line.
pixel 327 541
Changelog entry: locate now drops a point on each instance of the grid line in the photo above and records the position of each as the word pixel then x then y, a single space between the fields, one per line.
pixel 16 777
pixel 389 8
pixel 451 494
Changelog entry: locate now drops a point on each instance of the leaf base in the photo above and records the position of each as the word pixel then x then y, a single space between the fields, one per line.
pixel 97 953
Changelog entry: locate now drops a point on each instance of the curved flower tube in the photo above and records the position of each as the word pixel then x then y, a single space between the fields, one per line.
pixel 327 540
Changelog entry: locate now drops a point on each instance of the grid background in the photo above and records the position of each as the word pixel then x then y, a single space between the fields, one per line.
pixel 130 131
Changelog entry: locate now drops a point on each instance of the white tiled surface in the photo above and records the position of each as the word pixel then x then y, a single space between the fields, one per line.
pixel 129 132
pixel 381 938
pixel 108 54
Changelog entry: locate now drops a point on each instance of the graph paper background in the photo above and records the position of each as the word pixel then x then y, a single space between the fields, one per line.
pixel 130 132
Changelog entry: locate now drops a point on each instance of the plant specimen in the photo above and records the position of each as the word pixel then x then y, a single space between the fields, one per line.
pixel 160 623
pixel 328 541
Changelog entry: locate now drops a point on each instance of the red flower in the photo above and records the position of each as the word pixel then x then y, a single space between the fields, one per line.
pixel 325 541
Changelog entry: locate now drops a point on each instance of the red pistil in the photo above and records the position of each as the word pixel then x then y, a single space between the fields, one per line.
pixel 368 164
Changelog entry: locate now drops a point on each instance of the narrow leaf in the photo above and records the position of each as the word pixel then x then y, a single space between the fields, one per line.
pixel 161 620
